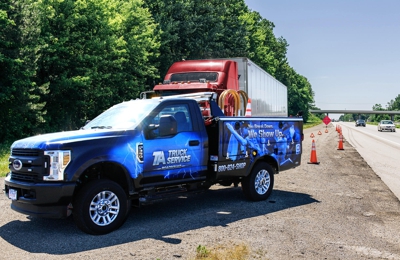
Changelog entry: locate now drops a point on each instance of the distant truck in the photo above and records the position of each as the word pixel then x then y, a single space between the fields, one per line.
pixel 234 80
pixel 143 150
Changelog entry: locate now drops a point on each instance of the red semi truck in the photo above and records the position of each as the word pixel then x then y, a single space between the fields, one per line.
pixel 235 80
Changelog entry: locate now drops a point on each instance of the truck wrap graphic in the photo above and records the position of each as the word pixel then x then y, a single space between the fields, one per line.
pixel 174 156
pixel 247 140
pixel 175 159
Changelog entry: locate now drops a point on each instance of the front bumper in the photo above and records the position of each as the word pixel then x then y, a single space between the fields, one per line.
pixel 48 200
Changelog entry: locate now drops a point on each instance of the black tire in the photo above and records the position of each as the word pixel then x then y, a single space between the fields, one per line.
pixel 96 220
pixel 259 184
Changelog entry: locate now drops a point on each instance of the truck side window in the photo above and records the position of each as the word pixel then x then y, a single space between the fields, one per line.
pixel 183 118
pixel 180 113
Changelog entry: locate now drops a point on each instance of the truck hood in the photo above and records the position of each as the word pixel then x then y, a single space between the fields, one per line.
pixel 55 140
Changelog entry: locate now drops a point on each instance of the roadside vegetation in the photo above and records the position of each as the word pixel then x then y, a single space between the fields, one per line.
pixel 47 56
pixel 110 51
pixel 313 120
pixel 237 252
pixel 374 119
pixel 4 154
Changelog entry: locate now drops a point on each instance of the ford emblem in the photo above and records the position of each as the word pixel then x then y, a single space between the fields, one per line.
pixel 17 165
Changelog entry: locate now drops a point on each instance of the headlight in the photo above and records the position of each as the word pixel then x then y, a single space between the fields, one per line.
pixel 59 159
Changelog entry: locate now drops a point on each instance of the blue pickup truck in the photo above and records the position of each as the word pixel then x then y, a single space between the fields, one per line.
pixel 146 149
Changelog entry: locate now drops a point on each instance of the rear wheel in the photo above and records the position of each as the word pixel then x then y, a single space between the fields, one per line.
pixel 100 207
pixel 259 184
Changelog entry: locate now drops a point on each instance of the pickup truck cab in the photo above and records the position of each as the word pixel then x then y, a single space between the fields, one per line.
pixel 146 149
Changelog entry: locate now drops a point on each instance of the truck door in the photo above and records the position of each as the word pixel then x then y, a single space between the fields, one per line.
pixel 176 156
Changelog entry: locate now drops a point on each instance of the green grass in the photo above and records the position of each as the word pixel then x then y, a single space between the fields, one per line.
pixel 312 121
pixel 224 252
pixel 311 124
pixel 4 154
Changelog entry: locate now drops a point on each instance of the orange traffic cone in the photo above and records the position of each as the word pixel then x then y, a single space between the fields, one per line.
pixel 326 130
pixel 319 133
pixel 340 147
pixel 312 135
pixel 248 108
pixel 313 158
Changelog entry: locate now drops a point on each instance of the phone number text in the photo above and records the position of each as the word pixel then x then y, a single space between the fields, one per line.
pixel 231 167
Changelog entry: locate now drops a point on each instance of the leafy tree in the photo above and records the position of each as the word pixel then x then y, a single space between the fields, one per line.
pixel 348 118
pixel 263 45
pixel 21 111
pixel 394 104
pixel 97 53
pixel 378 117
pixel 65 61
pixel 300 94
pixel 269 53
pixel 210 29
pixel 194 29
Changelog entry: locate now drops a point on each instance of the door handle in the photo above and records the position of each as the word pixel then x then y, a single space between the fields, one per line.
pixel 194 143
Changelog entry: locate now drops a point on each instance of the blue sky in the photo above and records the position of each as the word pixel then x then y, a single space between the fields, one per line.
pixel 349 50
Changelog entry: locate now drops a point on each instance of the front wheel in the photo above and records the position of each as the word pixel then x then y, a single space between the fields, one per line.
pixel 100 207
pixel 259 184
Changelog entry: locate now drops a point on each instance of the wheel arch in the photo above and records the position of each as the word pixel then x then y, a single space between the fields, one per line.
pixel 106 170
pixel 267 159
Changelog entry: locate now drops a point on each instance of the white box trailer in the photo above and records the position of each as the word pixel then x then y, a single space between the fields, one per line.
pixel 268 95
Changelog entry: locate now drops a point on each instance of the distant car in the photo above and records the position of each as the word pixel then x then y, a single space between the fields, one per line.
pixel 360 122
pixel 386 125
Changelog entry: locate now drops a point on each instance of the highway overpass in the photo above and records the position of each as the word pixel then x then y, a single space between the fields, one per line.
pixel 358 112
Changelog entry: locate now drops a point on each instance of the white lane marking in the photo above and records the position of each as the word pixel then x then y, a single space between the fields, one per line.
pixel 378 137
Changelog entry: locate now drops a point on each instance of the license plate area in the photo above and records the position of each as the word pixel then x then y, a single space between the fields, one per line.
pixel 13 194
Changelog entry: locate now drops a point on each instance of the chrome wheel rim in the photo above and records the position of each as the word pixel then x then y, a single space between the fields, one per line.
pixel 104 208
pixel 262 182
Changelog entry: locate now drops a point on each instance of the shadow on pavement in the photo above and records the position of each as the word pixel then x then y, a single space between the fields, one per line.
pixel 158 221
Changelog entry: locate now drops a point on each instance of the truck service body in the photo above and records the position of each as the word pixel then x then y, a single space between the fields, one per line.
pixel 147 149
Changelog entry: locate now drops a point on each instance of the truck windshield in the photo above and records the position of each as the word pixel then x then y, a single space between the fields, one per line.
pixel 194 76
pixel 126 115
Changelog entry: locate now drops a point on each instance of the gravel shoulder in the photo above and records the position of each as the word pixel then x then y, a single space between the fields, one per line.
pixel 338 209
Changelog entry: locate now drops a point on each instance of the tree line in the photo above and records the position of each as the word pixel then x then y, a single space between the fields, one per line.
pixel 62 62
pixel 392 105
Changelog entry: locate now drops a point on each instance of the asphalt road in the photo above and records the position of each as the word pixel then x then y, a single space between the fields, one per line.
pixel 381 150
pixel 337 209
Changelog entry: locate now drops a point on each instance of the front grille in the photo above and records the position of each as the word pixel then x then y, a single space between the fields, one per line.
pixel 34 165
pixel 24 177
pixel 25 152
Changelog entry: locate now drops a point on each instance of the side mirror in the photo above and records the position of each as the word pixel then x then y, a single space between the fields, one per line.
pixel 167 125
